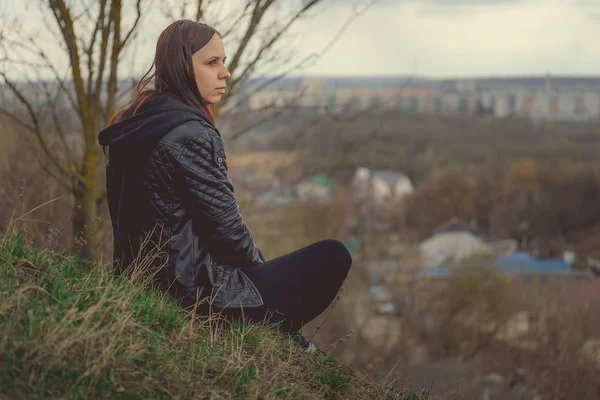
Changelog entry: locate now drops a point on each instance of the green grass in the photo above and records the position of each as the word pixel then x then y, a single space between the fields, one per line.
pixel 69 330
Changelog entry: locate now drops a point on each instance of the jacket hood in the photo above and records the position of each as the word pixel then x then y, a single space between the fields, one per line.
pixel 131 137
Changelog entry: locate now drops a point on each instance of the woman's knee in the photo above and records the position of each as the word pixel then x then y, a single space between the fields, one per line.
pixel 338 254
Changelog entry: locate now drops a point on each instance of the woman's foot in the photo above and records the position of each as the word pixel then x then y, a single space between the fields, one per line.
pixel 309 347
pixel 303 343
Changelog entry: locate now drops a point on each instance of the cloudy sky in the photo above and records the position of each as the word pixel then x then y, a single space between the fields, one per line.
pixel 465 37
pixel 440 38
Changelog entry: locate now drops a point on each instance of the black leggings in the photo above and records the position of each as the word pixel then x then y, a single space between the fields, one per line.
pixel 298 286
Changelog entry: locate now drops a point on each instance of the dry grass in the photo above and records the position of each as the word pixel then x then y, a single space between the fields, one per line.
pixel 75 331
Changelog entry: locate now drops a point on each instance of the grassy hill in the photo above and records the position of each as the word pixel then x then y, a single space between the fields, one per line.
pixel 70 330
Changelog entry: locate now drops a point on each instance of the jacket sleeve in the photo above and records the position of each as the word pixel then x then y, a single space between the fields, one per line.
pixel 212 202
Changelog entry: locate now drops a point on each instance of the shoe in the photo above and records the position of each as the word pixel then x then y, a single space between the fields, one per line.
pixel 310 348
pixel 305 344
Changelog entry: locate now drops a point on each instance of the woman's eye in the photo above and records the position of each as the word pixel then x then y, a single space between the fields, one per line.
pixel 212 62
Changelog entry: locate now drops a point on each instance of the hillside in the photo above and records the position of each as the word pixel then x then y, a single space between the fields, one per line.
pixel 69 330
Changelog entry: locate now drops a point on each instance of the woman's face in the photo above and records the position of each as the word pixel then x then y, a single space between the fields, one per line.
pixel 209 70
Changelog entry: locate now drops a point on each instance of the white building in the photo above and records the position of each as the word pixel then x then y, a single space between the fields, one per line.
pixel 382 186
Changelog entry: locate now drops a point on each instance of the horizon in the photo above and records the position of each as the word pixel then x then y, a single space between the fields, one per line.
pixel 382 76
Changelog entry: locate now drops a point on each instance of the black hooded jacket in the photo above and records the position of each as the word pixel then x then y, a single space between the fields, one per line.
pixel 171 204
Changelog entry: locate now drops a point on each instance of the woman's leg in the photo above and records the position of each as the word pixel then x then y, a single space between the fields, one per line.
pixel 299 286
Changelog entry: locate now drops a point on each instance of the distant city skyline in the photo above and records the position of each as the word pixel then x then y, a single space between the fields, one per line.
pixel 425 38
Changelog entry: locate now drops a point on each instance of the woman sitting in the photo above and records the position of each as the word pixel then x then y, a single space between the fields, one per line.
pixel 168 189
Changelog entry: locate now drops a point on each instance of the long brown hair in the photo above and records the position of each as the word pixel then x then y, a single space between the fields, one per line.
pixel 173 68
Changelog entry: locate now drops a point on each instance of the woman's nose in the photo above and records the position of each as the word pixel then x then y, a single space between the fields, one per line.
pixel 225 74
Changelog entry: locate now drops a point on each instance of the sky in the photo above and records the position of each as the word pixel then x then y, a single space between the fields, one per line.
pixel 465 38
pixel 436 38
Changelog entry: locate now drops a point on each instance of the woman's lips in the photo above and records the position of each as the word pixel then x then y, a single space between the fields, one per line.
pixel 221 90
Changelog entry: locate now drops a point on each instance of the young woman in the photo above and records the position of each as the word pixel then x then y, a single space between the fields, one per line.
pixel 169 195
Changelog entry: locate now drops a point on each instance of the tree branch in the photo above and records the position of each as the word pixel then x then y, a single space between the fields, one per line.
pixel 90 48
pixel 312 57
pixel 52 104
pixel 257 15
pixel 63 18
pixel 37 50
pixel 199 10
pixel 106 26
pixel 235 23
pixel 111 85
pixel 266 46
pixel 138 7
pixel 37 131
pixel 17 120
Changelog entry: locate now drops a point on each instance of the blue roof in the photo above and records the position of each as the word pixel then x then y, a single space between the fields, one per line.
pixel 523 262
pixel 518 262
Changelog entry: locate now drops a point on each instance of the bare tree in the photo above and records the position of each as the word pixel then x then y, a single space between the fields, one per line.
pixel 42 90
pixel 92 36
pixel 261 33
